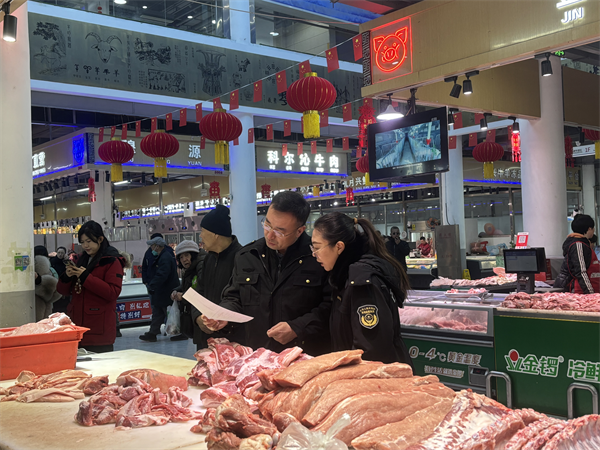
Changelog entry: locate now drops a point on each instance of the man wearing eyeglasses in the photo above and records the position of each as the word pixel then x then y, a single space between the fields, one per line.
pixel 397 247
pixel 277 281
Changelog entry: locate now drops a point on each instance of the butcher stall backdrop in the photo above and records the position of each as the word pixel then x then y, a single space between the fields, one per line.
pixel 68 51
pixel 544 352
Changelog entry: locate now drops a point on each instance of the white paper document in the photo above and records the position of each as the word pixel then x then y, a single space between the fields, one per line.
pixel 212 310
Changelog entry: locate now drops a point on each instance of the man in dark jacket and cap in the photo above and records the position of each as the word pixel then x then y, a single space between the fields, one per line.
pixel 580 270
pixel 162 283
pixel 222 247
pixel 278 282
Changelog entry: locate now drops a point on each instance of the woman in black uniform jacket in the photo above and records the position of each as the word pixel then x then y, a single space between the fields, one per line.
pixel 369 287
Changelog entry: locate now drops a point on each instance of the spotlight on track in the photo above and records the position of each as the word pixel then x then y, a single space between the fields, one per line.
pixel 467 84
pixel 455 92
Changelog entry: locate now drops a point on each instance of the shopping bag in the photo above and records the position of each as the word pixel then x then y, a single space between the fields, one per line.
pixel 173 325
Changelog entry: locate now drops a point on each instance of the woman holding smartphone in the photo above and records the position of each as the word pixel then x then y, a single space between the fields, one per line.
pixel 94 284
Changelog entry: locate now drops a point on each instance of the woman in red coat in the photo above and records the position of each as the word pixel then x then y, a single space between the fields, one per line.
pixel 94 284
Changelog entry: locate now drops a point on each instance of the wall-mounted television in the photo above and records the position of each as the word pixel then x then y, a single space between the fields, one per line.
pixel 409 146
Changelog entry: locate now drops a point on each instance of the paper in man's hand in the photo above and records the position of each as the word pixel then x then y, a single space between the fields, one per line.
pixel 212 310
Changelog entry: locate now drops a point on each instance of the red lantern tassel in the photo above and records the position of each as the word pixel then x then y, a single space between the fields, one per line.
pixel 160 167
pixel 116 173
pixel 221 152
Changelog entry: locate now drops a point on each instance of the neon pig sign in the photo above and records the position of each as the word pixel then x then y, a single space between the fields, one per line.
pixel 391 50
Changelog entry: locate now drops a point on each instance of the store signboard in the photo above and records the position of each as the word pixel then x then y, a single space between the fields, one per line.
pixel 583 150
pixel 573 178
pixel 545 352
pixel 189 156
pixel 321 163
pixel 87 54
pixel 391 50
pixel 570 15
pixel 57 156
pixel 134 310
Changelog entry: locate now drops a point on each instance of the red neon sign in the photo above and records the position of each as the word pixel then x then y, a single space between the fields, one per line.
pixel 390 51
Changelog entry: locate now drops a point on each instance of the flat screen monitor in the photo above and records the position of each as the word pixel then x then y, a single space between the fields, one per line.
pixel 530 260
pixel 409 146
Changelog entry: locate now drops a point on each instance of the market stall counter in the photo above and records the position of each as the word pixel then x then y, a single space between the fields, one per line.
pixel 31 426
pixel 451 335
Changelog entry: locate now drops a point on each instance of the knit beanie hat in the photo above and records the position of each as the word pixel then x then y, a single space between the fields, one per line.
pixel 186 246
pixel 217 221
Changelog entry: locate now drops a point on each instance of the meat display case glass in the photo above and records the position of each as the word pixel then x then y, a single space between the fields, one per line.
pixel 452 338
pixel 421 271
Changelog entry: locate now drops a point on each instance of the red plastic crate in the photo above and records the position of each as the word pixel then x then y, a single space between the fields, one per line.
pixel 41 338
pixel 42 353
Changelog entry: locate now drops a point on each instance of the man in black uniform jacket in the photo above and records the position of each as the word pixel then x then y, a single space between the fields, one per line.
pixel 277 281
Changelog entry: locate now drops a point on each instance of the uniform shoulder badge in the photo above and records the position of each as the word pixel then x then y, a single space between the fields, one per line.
pixel 368 316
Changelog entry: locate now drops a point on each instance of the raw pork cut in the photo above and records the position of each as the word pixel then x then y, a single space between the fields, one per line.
pixel 298 402
pixel 50 395
pixel 298 374
pixel 497 434
pixel 582 433
pixel 234 415
pixel 470 413
pixel 400 435
pixel 342 389
pixel 374 409
pixel 217 394
pixel 538 441
pixel 52 324
pixel 156 379
pixel 525 435
pixel 257 442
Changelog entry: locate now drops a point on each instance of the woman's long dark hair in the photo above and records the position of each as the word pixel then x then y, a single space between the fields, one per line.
pixel 92 230
pixel 338 227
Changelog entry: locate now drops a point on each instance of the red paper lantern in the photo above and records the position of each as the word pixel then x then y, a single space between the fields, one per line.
pixel 309 95
pixel 221 127
pixel 569 152
pixel 116 152
pixel 594 135
pixel 265 191
pixel 487 153
pixel 214 190
pixel 362 165
pixel 159 146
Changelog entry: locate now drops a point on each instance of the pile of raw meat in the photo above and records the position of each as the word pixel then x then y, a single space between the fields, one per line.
pixel 389 409
pixel 63 386
pixel 446 319
pixel 55 322
pixel 489 281
pixel 564 301
pixel 139 398
pixel 229 368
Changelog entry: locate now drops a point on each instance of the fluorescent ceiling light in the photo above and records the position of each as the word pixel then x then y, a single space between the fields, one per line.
pixel 83 190
pixel 46 198
pixel 120 2
pixel 144 7
pixel 274 33
pixel 214 21
pixel 121 182
pixel 190 17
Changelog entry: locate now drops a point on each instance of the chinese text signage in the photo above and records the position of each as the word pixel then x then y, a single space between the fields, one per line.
pixel 272 160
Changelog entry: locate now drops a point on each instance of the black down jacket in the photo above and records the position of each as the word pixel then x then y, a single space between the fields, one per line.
pixel 365 312
pixel 300 295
